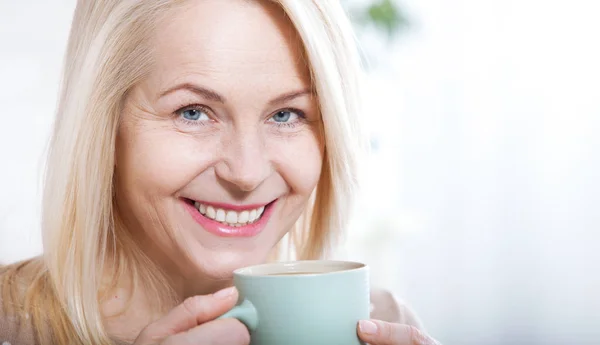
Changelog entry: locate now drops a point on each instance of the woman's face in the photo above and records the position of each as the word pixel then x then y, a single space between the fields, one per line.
pixel 219 150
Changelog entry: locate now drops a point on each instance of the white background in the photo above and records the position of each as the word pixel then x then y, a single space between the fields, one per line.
pixel 482 204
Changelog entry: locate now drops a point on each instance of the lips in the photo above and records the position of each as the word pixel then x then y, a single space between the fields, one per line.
pixel 230 220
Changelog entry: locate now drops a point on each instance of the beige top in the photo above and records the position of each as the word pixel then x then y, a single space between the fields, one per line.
pixel 383 307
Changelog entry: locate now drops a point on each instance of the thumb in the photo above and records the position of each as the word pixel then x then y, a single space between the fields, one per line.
pixel 189 314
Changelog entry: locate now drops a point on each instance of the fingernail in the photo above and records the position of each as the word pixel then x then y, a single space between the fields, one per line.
pixel 225 293
pixel 367 327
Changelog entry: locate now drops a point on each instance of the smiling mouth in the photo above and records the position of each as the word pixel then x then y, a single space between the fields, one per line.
pixel 230 217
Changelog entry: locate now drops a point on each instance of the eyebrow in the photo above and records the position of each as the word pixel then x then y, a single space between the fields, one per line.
pixel 216 97
pixel 290 96
pixel 202 91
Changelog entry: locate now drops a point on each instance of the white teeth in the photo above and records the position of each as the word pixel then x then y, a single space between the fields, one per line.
pixel 230 217
pixel 210 212
pixel 243 217
pixel 220 215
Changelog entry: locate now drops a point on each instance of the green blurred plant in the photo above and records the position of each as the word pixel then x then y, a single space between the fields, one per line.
pixel 385 15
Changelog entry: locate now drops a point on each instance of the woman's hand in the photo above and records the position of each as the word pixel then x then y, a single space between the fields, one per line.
pixel 377 332
pixel 192 322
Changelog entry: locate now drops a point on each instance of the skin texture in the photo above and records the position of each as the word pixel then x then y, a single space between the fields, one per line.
pixel 237 142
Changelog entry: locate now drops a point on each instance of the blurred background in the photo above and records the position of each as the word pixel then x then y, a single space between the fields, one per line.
pixel 480 208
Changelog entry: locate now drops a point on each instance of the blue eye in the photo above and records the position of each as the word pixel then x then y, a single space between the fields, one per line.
pixel 193 114
pixel 285 116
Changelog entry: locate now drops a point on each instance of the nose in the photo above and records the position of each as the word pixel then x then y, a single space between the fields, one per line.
pixel 244 163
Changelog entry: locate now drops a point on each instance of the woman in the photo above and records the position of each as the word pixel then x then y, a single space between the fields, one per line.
pixel 191 137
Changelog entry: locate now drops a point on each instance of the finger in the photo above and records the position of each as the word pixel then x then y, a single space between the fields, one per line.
pixel 217 332
pixel 189 314
pixel 377 332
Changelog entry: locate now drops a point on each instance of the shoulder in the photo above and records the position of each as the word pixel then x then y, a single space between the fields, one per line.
pixel 15 325
pixel 385 306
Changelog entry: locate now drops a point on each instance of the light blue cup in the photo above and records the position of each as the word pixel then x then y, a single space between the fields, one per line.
pixel 302 302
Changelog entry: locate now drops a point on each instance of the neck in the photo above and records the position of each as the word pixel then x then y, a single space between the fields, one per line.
pixel 139 297
pixel 129 307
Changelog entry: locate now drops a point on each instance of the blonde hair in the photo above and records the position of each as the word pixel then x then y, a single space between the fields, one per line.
pixel 107 55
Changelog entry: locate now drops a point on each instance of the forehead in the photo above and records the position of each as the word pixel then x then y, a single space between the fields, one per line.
pixel 229 40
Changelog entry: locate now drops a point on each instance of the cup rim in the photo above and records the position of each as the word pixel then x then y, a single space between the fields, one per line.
pixel 303 267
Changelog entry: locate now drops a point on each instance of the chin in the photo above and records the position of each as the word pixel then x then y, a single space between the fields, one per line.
pixel 220 264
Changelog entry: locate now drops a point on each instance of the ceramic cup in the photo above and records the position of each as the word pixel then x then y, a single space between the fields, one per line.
pixel 302 302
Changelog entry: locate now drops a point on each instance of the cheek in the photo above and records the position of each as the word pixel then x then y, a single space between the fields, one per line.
pixel 300 160
pixel 159 161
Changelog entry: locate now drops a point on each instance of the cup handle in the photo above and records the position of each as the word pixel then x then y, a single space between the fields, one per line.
pixel 245 313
